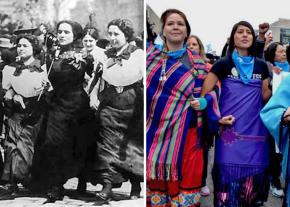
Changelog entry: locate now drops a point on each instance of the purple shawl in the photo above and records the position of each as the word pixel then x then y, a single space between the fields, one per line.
pixel 242 149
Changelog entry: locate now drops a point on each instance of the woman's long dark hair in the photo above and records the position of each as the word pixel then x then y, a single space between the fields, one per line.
pixel 252 49
pixel 36 47
pixel 92 31
pixel 270 53
pixel 77 31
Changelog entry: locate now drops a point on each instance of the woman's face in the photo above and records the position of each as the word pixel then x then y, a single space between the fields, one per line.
pixel 24 49
pixel 243 37
pixel 175 30
pixel 116 36
pixel 193 45
pixel 65 35
pixel 89 42
pixel 280 54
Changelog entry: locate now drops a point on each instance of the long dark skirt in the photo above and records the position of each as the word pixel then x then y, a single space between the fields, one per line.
pixel 120 136
pixel 19 148
pixel 61 149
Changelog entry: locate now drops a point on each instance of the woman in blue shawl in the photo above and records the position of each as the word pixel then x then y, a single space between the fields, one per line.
pixel 241 149
pixel 276 117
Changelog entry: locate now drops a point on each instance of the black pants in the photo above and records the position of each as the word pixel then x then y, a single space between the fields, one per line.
pixel 275 165
pixel 205 163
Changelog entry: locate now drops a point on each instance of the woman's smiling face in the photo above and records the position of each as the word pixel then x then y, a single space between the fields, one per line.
pixel 116 36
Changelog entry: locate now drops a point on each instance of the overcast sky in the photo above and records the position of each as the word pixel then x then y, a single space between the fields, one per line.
pixel 212 20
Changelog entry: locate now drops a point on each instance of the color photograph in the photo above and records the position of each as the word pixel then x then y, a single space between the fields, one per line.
pixel 216 135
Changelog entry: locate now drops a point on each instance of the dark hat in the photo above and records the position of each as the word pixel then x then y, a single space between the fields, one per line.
pixel 25 27
pixel 25 31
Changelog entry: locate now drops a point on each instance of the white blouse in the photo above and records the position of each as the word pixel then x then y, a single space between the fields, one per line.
pixel 126 73
pixel 26 84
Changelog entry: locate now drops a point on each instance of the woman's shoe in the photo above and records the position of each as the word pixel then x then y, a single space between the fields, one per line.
pixel 277 192
pixel 54 194
pixel 9 189
pixel 104 196
pixel 106 193
pixel 204 191
pixel 134 197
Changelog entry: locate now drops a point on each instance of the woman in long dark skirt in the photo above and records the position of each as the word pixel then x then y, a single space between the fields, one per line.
pixel 22 81
pixel 118 99
pixel 61 150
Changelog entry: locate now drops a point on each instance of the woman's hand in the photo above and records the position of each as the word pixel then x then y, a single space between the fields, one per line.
pixel 44 84
pixel 287 115
pixel 18 99
pixel 198 104
pixel 227 120
pixel 195 104
pixel 276 70
pixel 94 103
pixel 9 95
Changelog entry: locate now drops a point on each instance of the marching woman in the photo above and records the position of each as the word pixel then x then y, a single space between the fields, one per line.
pixel 240 172
pixel 194 43
pixel 61 150
pixel 22 82
pixel 276 117
pixel 118 99
pixel 275 55
pixel 174 116
pixel 90 39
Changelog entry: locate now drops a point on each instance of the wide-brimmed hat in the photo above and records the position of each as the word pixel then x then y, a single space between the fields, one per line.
pixel 25 27
pixel 5 42
pixel 25 31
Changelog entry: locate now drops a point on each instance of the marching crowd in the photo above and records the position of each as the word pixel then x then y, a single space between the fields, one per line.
pixel 229 104
pixel 71 106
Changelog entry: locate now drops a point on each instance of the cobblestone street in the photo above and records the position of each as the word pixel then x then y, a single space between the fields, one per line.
pixel 120 198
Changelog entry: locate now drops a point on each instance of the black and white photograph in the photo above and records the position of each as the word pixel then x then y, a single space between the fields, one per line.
pixel 72 103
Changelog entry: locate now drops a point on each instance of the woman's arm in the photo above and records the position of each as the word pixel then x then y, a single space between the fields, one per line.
pixel 286 116
pixel 266 92
pixel 94 100
pixel 209 84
